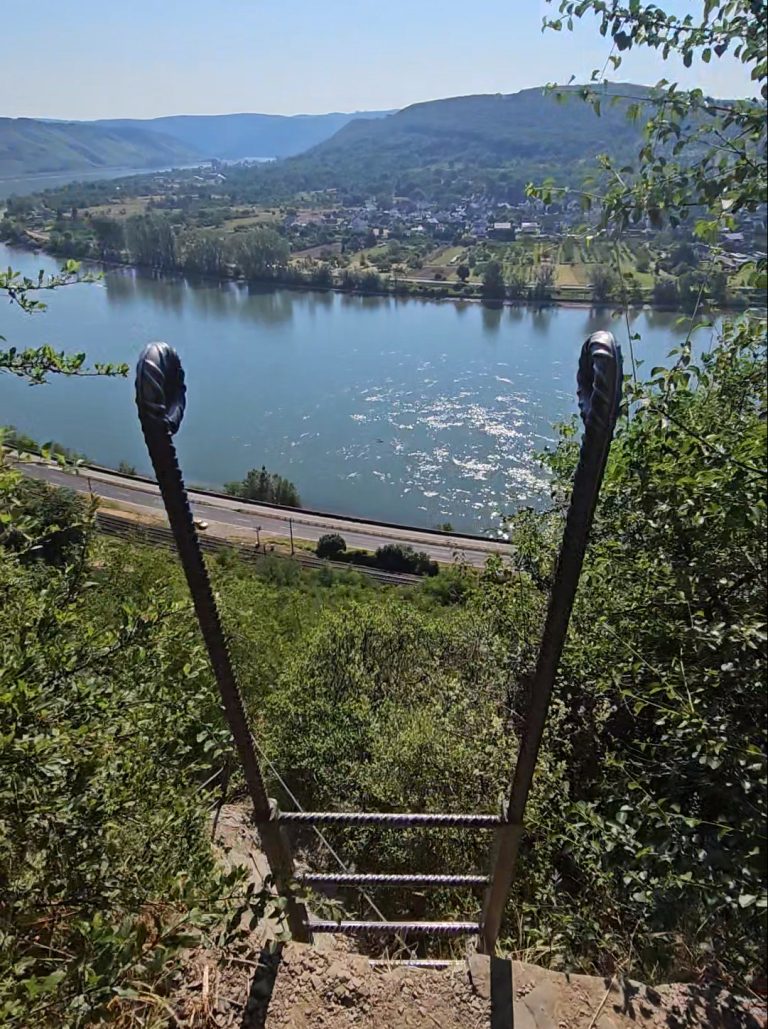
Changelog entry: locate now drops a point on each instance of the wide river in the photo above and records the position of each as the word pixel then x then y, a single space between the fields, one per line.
pixel 400 410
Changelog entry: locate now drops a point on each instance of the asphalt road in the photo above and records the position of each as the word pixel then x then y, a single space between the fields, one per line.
pixel 238 520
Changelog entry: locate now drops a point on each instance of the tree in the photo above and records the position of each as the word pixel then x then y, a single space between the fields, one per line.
pixel 675 577
pixel 104 837
pixel 462 272
pixel 642 259
pixel 729 172
pixel 261 254
pixel 665 292
pixel 265 486
pixel 330 546
pixel 517 285
pixel 493 287
pixel 544 282
pixel 603 281
pixel 110 236
pixel 151 241
pixel 205 252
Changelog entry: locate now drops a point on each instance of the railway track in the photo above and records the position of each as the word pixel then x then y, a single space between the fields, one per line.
pixel 161 536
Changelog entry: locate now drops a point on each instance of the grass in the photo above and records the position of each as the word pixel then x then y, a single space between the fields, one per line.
pixel 444 257
pixel 120 209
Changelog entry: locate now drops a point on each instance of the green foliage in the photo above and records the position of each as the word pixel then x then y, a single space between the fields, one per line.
pixel 266 486
pixel 151 241
pixel 43 523
pixel 664 671
pixel 400 557
pixel 103 850
pixel 261 254
pixel 494 287
pixel 330 545
pixel 35 364
pixel 699 156
pixel 603 281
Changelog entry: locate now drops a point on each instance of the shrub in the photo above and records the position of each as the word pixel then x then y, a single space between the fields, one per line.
pixel 330 546
pixel 400 557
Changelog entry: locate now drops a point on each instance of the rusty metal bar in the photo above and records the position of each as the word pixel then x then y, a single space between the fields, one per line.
pixel 413 962
pixel 371 879
pixel 599 393
pixel 161 398
pixel 393 928
pixel 391 820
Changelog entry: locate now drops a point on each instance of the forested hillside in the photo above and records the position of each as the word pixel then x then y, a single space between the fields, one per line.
pixel 28 147
pixel 239 136
pixel 449 147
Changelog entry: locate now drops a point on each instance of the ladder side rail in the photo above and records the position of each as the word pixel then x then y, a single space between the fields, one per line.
pixel 161 398
pixel 599 393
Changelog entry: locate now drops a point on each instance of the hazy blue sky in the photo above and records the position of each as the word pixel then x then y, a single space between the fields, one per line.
pixel 141 58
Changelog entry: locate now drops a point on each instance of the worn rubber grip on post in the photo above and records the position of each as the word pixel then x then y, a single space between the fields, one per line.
pixel 161 394
pixel 598 381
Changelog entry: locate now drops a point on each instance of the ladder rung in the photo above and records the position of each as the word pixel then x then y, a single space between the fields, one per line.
pixel 413 962
pixel 353 879
pixel 395 820
pixel 392 928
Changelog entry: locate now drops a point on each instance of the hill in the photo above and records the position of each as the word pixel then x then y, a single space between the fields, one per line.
pixel 28 147
pixel 448 147
pixel 240 136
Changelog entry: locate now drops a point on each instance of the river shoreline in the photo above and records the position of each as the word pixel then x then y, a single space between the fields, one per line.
pixel 360 291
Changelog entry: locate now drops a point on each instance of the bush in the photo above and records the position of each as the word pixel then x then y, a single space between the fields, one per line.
pixel 49 524
pixel 103 844
pixel 330 546
pixel 399 557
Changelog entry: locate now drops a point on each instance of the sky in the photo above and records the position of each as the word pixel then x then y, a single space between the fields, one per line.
pixel 109 58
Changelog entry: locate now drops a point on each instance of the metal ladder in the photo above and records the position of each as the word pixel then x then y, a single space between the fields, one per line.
pixel 161 398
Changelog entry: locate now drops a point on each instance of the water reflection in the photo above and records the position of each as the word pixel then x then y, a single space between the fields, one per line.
pixel 541 319
pixel 491 315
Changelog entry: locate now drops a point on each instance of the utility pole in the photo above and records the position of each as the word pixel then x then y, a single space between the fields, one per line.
pixel 290 529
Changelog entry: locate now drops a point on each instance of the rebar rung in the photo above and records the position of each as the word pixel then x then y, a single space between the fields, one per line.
pixel 394 820
pixel 393 928
pixel 354 879
pixel 413 963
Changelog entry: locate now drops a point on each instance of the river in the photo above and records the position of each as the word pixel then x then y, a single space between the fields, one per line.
pixel 403 410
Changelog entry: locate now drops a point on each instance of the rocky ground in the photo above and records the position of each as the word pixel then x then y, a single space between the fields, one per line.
pixel 329 986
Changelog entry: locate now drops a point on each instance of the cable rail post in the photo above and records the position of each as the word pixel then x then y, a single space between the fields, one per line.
pixel 599 393
pixel 161 398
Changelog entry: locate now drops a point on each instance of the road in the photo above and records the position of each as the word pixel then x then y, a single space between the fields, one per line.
pixel 247 521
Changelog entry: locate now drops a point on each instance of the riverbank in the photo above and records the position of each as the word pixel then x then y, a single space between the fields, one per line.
pixel 404 288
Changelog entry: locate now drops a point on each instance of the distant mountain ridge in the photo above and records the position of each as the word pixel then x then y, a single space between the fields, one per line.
pixel 458 145
pixel 31 147
pixel 488 129
pixel 240 136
